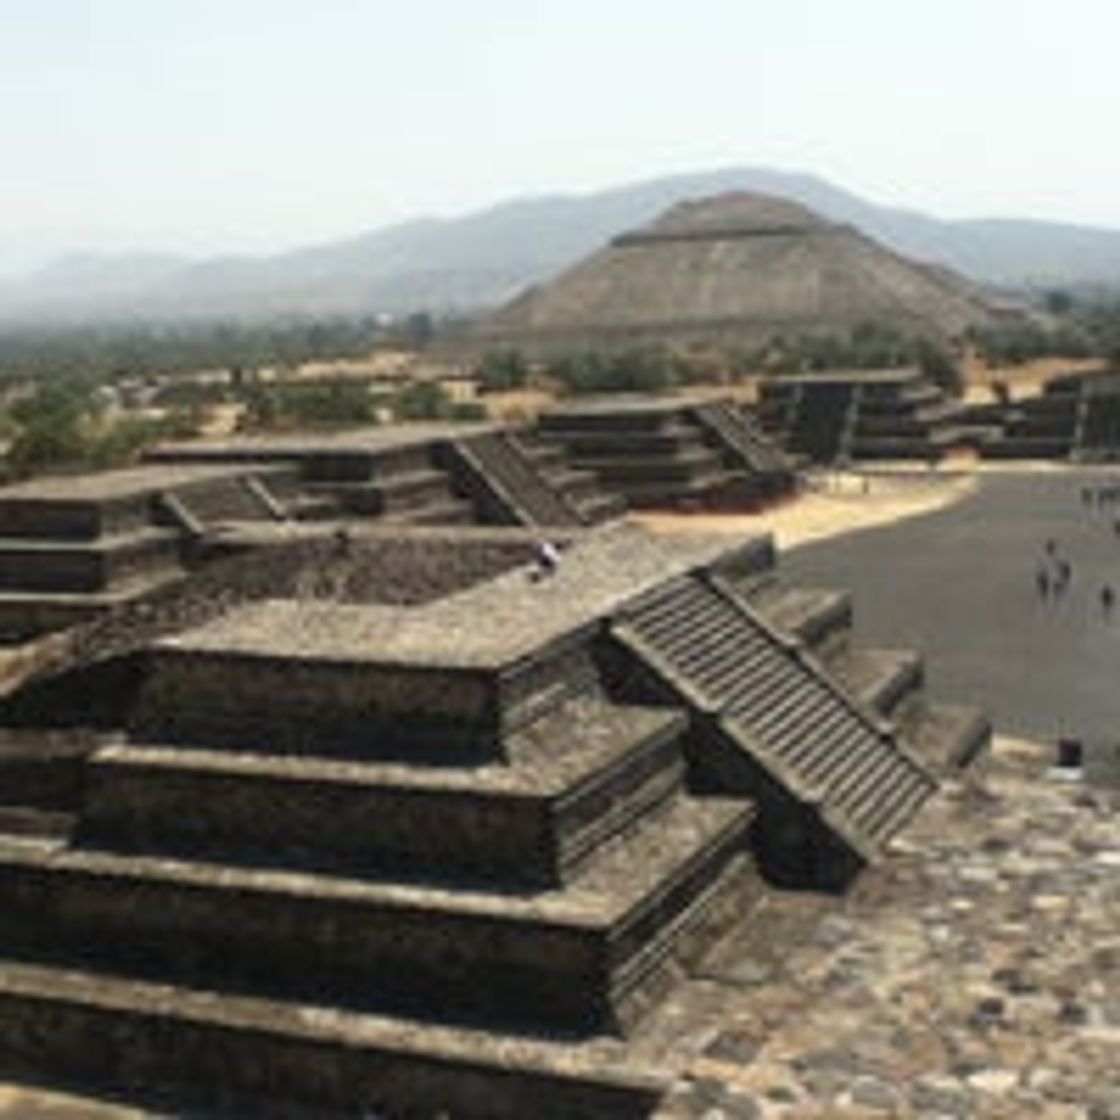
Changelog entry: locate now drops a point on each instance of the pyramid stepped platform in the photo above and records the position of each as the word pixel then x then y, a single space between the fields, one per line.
pixel 1077 416
pixel 889 414
pixel 665 453
pixel 422 474
pixel 455 857
pixel 74 548
pixel 1042 427
pixel 571 878
pixel 405 484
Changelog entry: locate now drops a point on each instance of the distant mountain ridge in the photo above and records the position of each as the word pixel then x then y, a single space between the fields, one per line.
pixel 480 260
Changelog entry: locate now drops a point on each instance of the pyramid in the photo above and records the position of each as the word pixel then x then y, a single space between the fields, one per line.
pixel 735 270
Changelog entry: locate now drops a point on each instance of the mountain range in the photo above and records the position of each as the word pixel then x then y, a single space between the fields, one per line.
pixel 479 260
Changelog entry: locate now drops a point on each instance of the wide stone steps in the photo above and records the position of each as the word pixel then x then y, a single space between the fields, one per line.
pixel 881 678
pixel 452 511
pixel 532 823
pixel 85 566
pixel 820 617
pixel 393 493
pixel 588 958
pixel 28 614
pixel 948 737
pixel 41 770
pixel 257 1058
pixel 802 726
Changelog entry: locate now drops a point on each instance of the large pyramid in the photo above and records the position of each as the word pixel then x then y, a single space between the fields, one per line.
pixel 735 270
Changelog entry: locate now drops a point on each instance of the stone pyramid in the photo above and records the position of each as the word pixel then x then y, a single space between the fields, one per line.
pixel 735 270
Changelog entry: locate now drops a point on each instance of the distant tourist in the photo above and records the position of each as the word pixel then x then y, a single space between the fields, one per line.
pixel 1064 575
pixel 1108 599
pixel 547 558
pixel 1042 582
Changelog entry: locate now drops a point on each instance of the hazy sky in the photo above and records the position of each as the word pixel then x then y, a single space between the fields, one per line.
pixel 254 124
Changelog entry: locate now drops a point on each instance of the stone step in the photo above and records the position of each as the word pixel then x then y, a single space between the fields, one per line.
pixel 182 1049
pixel 948 737
pixel 453 511
pixel 600 507
pixel 62 518
pixel 587 958
pixel 85 566
pixel 389 494
pixel 43 770
pixel 819 617
pixel 29 614
pixel 17 821
pixel 880 678
pixel 364 681
pixel 614 466
pixel 588 774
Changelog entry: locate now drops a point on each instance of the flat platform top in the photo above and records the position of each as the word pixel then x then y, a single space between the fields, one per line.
pixel 298 444
pixel 125 483
pixel 848 377
pixel 485 627
pixel 631 404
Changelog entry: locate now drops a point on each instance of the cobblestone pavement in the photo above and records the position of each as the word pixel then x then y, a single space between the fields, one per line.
pixel 975 974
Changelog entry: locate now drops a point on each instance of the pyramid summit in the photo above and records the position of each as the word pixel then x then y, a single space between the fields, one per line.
pixel 736 270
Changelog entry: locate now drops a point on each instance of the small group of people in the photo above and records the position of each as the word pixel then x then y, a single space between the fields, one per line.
pixel 1054 575
pixel 1100 496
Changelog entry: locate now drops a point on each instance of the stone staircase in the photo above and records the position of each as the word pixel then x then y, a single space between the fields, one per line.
pixel 946 737
pixel 747 446
pixel 517 479
pixel 786 716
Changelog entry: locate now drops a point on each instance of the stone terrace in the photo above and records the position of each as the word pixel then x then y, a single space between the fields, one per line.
pixel 255 870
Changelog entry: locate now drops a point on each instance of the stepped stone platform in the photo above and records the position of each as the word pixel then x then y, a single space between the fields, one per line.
pixel 73 548
pixel 253 913
pixel 674 452
pixel 1076 417
pixel 878 414
pixel 420 474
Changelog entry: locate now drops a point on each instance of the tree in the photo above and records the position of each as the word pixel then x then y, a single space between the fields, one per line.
pixel 422 400
pixel 501 371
